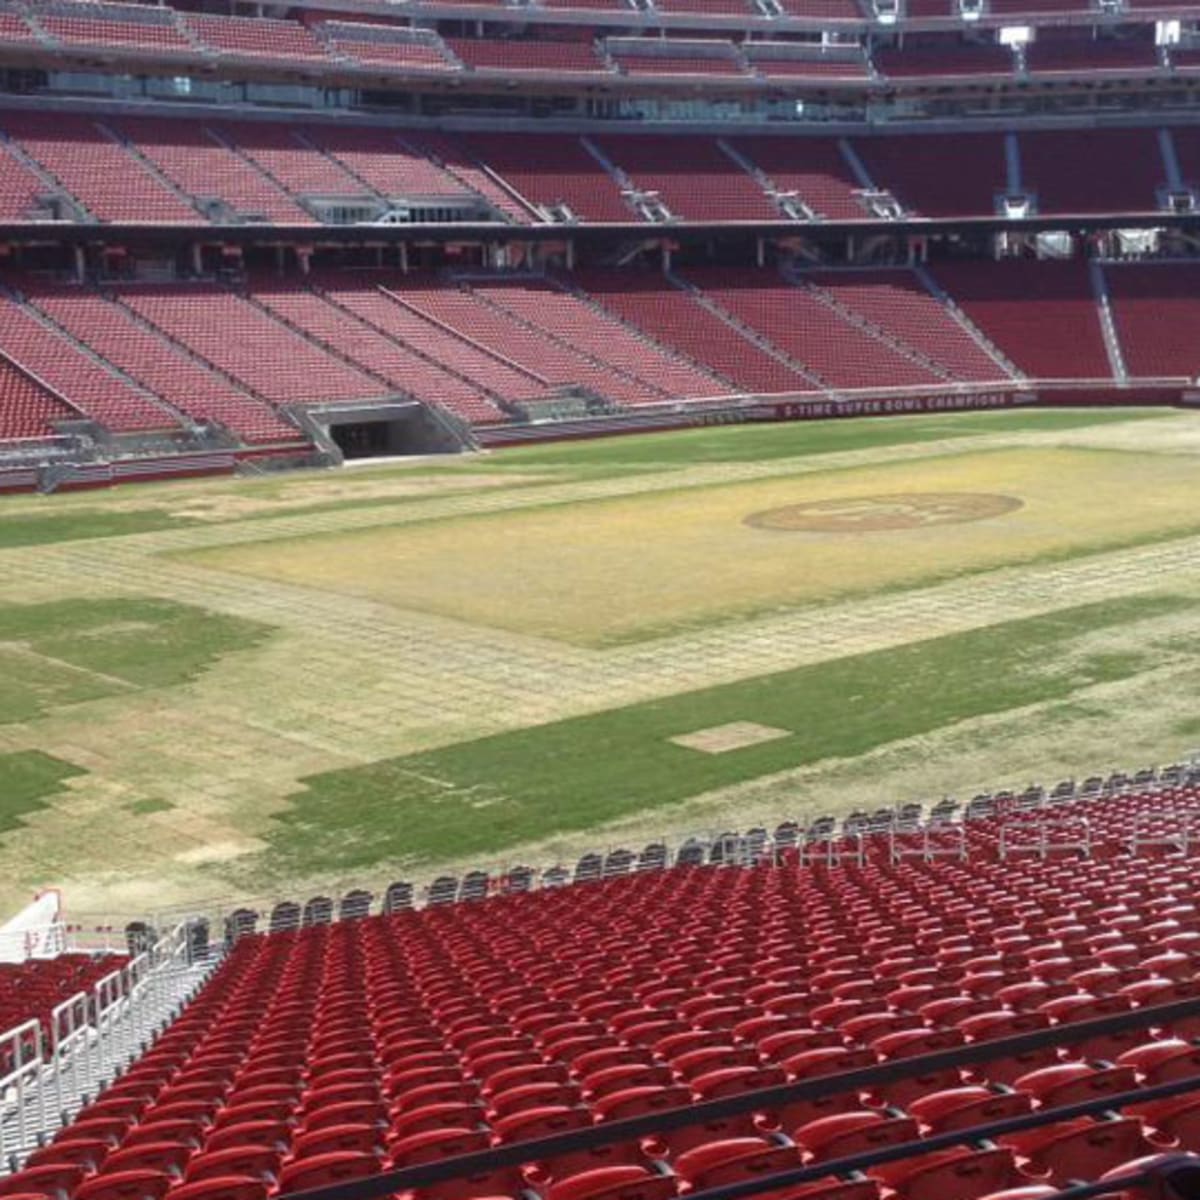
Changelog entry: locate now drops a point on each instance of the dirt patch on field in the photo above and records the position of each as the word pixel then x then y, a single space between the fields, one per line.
pixel 720 739
pixel 875 514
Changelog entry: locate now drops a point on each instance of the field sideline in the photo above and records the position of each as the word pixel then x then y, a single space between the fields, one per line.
pixel 273 685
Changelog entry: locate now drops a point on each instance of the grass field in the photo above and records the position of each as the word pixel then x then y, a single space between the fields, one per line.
pixel 632 568
pixel 222 689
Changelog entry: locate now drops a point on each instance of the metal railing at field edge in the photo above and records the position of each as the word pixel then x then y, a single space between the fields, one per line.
pixel 91 1037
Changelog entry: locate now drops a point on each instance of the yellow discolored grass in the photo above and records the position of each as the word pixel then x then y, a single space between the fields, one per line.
pixel 629 568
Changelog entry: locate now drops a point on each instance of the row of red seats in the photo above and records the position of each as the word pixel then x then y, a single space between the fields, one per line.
pixel 31 990
pixel 171 170
pixel 482 347
pixel 336 1051
pixel 79 23
pixel 27 410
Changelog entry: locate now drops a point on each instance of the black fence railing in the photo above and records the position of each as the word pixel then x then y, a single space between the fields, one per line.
pixel 515 1154
pixel 1166 1177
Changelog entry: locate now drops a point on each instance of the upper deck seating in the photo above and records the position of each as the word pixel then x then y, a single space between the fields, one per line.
pixel 678 58
pixel 943 56
pixel 95 168
pixel 938 175
pixel 554 169
pixel 692 176
pixel 1092 171
pixel 775 60
pixel 258 38
pixel 388 46
pixel 811 168
pixel 1053 51
pixel 519 54
pixel 123 27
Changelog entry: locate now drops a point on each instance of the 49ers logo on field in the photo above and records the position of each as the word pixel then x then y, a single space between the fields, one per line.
pixel 874 514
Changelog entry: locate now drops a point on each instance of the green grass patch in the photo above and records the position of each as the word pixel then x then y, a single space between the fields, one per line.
pixel 758 443
pixel 71 525
pixel 69 651
pixel 28 779
pixel 29 685
pixel 605 458
pixel 483 796
pixel 1188 727
pixel 145 808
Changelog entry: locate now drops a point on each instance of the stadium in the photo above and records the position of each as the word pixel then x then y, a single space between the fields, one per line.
pixel 599 599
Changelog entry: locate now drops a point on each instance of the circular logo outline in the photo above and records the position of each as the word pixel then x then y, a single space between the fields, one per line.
pixel 890 512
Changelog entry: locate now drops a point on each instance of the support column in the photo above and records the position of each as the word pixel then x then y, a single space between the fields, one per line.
pixel 80 264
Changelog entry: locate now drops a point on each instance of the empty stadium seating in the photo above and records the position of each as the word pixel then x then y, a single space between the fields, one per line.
pixel 288 160
pixel 1057 336
pixel 676 318
pixel 257 39
pixel 484 315
pixel 113 26
pixel 943 175
pixel 1055 51
pixel 65 367
pixel 811 168
pixel 944 57
pixel 27 410
pixel 898 303
pixel 495 54
pixel 810 332
pixel 694 178
pixel 775 61
pixel 31 990
pixel 196 161
pixel 160 365
pixel 411 355
pixel 264 356
pixel 94 167
pixel 187 171
pixel 712 58
pixel 385 162
pixel 1086 171
pixel 333 1051
pixel 458 162
pixel 142 357
pixel 1156 309
pixel 552 170
pixel 387 46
